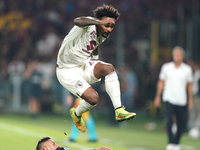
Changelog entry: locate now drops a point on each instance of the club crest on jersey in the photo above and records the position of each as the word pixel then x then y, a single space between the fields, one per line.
pixel 79 84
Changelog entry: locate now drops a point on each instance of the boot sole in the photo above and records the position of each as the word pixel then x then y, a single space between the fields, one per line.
pixel 132 117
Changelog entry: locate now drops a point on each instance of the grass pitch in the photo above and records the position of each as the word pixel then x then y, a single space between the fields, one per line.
pixel 20 132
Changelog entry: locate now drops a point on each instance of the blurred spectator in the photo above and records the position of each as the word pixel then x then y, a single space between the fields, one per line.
pixel 46 46
pixel 143 46
pixel 194 113
pixel 4 84
pixel 47 69
pixel 16 69
pixel 34 78
pixel 174 80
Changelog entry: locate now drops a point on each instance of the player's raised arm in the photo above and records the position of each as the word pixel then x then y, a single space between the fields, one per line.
pixel 85 21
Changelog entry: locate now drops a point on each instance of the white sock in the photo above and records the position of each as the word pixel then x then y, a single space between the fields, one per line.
pixel 113 89
pixel 83 107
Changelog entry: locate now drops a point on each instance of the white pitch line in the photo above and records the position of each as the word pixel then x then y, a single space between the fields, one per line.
pixel 120 144
pixel 20 130
pixel 187 147
pixel 27 132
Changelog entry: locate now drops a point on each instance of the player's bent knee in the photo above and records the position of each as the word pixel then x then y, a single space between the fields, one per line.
pixel 108 68
pixel 91 96
pixel 94 98
pixel 103 69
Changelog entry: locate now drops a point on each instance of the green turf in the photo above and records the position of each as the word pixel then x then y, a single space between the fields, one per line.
pixel 20 132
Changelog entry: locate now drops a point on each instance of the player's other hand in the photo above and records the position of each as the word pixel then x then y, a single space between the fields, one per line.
pixel 190 104
pixel 157 101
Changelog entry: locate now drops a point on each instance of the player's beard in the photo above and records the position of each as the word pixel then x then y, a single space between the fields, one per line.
pixel 107 35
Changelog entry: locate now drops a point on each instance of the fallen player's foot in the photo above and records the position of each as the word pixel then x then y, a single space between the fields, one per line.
pixel 78 121
pixel 122 114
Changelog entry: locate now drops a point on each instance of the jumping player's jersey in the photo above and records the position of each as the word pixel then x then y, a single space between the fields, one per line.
pixel 78 46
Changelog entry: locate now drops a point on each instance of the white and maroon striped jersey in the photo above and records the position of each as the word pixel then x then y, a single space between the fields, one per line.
pixel 77 46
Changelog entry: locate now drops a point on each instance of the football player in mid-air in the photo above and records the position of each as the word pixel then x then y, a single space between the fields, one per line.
pixel 78 65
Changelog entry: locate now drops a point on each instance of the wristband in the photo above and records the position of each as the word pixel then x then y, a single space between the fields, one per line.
pixel 95 57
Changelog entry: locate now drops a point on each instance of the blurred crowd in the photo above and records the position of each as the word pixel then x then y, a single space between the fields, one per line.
pixel 31 32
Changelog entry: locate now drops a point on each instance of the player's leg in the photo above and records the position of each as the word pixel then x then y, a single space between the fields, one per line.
pixel 169 108
pixel 74 82
pixel 180 112
pixel 89 100
pixel 89 96
pixel 112 87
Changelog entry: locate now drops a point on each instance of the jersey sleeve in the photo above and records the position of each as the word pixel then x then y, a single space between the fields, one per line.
pixel 162 75
pixel 190 77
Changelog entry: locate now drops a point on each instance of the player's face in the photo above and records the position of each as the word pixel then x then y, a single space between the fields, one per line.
pixel 50 145
pixel 106 28
pixel 178 56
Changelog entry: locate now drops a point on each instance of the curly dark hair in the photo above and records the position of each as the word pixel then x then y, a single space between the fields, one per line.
pixel 106 10
pixel 44 139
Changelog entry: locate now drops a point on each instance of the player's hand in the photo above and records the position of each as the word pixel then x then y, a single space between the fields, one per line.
pixel 157 101
pixel 190 103
pixel 107 21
